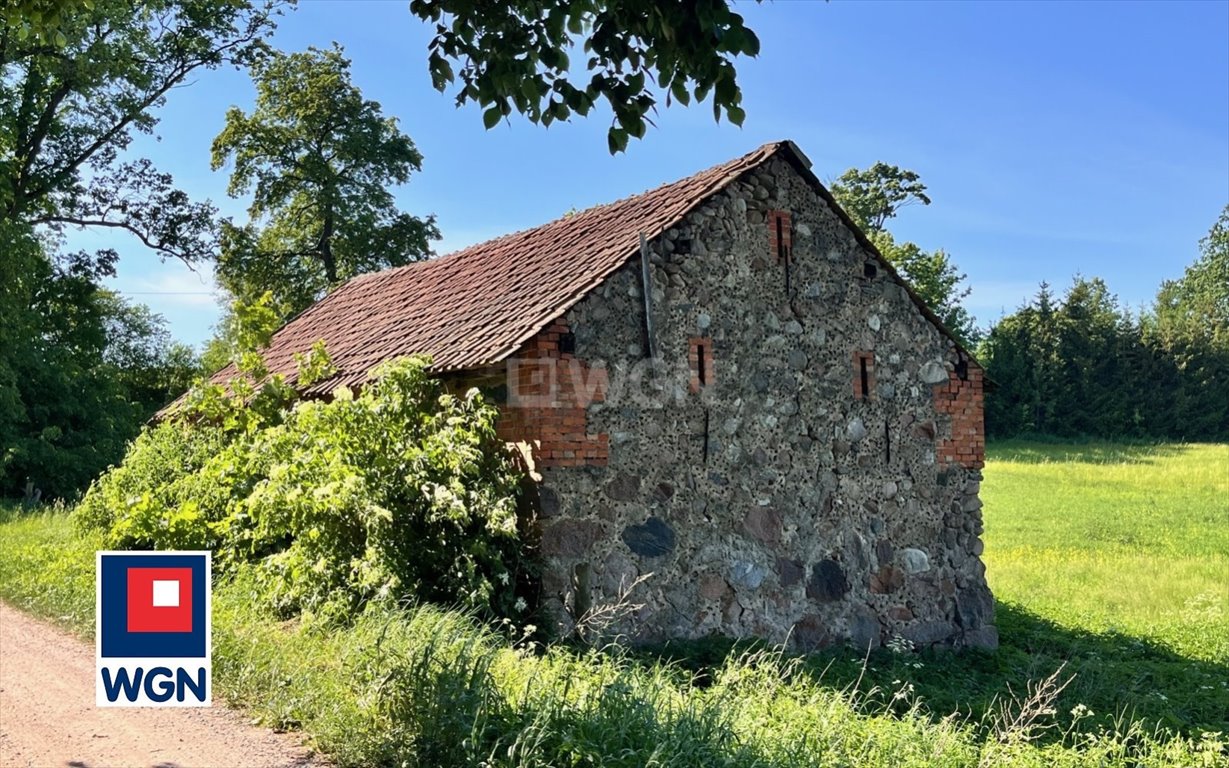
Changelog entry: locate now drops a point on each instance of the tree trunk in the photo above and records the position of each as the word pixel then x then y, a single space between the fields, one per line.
pixel 326 249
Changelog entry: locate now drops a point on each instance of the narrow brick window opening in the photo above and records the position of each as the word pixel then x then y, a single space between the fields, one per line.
pixel 962 369
pixel 567 343
pixel 700 356
pixel 887 443
pixel 779 236
pixel 869 270
pixel 865 377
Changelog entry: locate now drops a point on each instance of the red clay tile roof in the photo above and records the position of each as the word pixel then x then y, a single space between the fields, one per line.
pixel 479 305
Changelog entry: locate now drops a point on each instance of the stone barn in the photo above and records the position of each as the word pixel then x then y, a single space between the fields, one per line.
pixel 725 392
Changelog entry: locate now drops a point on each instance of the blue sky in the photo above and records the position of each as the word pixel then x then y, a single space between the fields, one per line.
pixel 1055 138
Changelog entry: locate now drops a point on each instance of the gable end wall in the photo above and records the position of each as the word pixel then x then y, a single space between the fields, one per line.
pixel 774 501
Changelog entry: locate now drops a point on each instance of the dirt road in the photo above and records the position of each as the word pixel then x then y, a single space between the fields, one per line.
pixel 48 718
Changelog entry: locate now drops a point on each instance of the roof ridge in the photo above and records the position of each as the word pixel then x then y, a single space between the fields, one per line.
pixel 569 216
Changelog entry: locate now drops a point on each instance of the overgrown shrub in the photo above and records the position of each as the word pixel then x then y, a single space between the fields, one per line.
pixel 152 477
pixel 402 491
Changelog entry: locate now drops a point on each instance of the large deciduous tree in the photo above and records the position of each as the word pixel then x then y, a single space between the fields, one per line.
pixel 1190 324
pixel 319 161
pixel 517 55
pixel 80 369
pixel 874 195
pixel 75 89
pixel 937 280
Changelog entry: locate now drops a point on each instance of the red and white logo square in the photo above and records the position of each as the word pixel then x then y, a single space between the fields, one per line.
pixel 159 599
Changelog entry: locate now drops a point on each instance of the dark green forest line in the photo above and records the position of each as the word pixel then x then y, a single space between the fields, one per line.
pixel 1084 366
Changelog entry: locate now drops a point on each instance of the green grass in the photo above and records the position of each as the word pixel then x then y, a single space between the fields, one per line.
pixel 46 567
pixel 1116 539
pixel 1125 549
pixel 1108 561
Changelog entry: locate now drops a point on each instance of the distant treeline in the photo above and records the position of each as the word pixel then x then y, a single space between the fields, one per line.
pixel 1081 365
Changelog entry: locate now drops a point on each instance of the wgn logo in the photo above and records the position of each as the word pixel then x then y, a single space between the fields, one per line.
pixel 152 643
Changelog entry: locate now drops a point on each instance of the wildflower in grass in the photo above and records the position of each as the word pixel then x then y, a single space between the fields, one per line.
pixel 900 645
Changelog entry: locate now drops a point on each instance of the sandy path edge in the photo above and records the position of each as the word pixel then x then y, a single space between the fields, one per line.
pixel 48 717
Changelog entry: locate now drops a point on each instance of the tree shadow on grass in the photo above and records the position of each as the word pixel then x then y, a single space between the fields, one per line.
pixel 1120 678
pixel 1027 451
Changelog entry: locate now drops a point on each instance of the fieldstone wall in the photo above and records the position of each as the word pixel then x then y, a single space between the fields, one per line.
pixel 782 494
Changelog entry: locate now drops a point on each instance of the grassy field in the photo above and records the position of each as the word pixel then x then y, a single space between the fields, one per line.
pixel 1110 563
pixel 1131 543
pixel 1116 539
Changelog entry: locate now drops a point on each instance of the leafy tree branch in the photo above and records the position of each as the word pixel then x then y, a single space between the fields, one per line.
pixel 510 55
